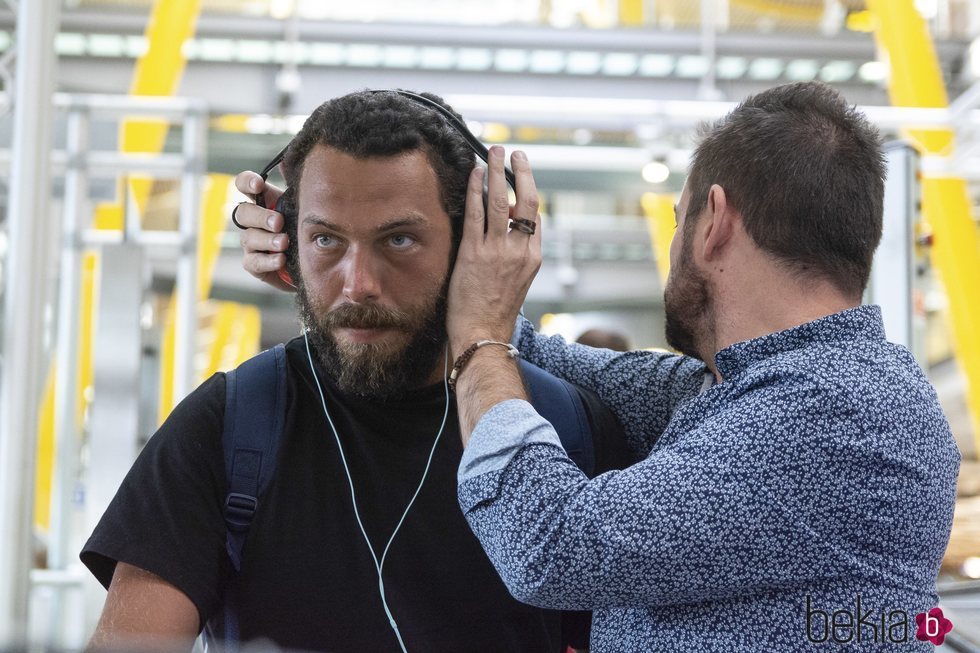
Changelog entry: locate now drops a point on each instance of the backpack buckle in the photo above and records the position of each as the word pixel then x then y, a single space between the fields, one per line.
pixel 239 510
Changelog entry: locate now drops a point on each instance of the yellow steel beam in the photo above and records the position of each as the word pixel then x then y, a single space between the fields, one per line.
pixel 916 81
pixel 631 13
pixel 659 211
pixel 158 73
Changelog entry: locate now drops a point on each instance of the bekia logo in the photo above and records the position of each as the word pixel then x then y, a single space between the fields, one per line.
pixel 933 626
pixel 864 624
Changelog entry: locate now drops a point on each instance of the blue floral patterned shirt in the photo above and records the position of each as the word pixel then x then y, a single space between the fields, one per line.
pixel 802 504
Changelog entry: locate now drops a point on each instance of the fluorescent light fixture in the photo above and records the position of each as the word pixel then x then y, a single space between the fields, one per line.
pixel 295 123
pixel 435 58
pixel 655 172
pixel 765 68
pixel 510 61
pixel 873 71
pixel 216 50
pixel 290 52
pixel 802 70
pixel 583 63
pixel 692 66
pixel 136 46
pixel 252 51
pixel 928 8
pixel 971 567
pixel 328 54
pixel 281 9
pixel 620 63
pixel 67 44
pixel 547 61
pixel 105 45
pixel 731 67
pixel 837 71
pixel 260 123
pixel 581 136
pixel 474 59
pixel 363 55
pixel 657 65
pixel 400 56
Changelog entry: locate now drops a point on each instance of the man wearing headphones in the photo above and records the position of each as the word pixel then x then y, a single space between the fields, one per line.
pixel 358 544
pixel 804 497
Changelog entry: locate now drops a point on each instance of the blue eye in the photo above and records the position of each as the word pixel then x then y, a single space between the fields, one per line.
pixel 401 241
pixel 324 240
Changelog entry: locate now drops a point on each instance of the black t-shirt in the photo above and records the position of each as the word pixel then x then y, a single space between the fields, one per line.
pixel 308 580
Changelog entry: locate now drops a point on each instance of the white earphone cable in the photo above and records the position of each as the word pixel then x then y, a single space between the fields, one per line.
pixel 379 565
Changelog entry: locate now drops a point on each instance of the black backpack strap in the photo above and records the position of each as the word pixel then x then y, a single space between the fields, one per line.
pixel 255 416
pixel 559 402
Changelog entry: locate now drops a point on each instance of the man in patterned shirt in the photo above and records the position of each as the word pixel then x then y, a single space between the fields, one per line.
pixel 803 499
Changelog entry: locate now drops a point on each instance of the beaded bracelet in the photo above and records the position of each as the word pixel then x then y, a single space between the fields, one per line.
pixel 468 354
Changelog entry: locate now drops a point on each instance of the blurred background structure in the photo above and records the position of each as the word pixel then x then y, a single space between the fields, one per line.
pixel 122 123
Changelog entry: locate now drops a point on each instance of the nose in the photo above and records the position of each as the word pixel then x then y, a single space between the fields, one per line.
pixel 362 281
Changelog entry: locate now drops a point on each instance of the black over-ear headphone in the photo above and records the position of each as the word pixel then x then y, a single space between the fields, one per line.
pixel 478 148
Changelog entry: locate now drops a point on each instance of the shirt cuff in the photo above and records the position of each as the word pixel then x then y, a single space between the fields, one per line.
pixel 504 430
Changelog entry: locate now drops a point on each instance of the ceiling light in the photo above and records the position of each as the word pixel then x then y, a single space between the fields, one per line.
pixel 873 71
pixel 327 54
pixel 474 59
pixel 400 56
pixel 363 55
pixel 692 66
pixel 837 71
pixel 547 61
pixel 105 45
pixel 655 172
pixel 802 70
pixel 620 63
pixel 765 69
pixel 66 44
pixel 136 46
pixel 971 567
pixel 436 58
pixel 581 136
pixel 731 67
pixel 583 63
pixel 250 51
pixel 510 61
pixel 657 65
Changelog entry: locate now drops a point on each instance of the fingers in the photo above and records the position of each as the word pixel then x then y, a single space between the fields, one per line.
pixel 498 205
pixel 251 216
pixel 249 183
pixel 259 263
pixel 527 194
pixel 473 219
pixel 261 240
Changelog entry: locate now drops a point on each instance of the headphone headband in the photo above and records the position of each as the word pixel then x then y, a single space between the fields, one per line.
pixel 478 148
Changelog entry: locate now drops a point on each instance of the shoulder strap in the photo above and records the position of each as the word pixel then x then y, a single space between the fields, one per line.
pixel 558 402
pixel 255 415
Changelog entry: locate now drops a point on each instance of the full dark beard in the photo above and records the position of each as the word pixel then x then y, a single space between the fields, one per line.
pixel 688 307
pixel 377 370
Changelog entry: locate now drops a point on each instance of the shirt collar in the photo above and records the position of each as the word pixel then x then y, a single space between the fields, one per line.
pixel 859 323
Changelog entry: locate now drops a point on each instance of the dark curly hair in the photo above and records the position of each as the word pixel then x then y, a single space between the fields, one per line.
pixel 381 123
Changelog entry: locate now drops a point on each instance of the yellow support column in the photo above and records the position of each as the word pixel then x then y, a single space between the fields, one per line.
pixel 158 73
pixel 659 211
pixel 916 81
